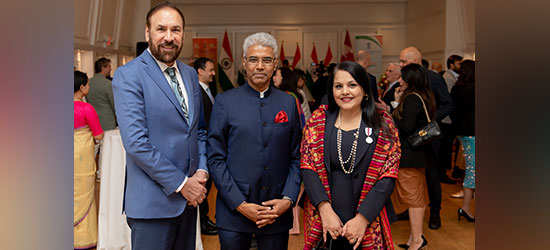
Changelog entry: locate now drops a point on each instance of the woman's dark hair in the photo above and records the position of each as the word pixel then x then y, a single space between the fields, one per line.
pixel 300 74
pixel 416 77
pixel 467 72
pixel 290 83
pixel 369 112
pixel 80 79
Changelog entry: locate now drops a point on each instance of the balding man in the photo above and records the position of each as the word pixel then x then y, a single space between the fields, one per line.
pixel 393 72
pixel 444 105
pixel 437 67
pixel 363 58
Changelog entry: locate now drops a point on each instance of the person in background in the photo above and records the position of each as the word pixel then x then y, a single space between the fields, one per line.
pixel 410 115
pixel 87 130
pixel 205 71
pixel 101 94
pixel 341 142
pixel 286 80
pixel 463 94
pixel 363 58
pixel 437 67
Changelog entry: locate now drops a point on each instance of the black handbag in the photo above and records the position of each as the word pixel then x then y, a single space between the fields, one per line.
pixel 324 245
pixel 426 134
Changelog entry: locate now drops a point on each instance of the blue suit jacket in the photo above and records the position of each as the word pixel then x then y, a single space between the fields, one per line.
pixel 162 148
pixel 250 157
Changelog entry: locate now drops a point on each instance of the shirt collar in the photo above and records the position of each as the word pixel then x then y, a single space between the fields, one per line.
pixel 204 85
pixel 262 94
pixel 162 65
pixel 454 73
pixel 393 83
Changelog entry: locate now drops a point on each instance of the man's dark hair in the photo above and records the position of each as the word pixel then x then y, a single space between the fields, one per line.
pixel 425 63
pixel 452 59
pixel 286 63
pixel 160 6
pixel 200 63
pixel 100 63
pixel 80 79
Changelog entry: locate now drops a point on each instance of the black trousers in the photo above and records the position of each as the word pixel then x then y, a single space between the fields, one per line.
pixel 203 208
pixel 433 183
pixel 230 240
pixel 165 234
pixel 445 153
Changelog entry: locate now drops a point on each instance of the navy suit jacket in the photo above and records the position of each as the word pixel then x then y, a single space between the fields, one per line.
pixel 162 148
pixel 250 157
pixel 372 82
pixel 443 99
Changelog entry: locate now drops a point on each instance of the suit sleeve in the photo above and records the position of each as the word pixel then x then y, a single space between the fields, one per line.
pixel 292 185
pixel 218 132
pixel 314 188
pixel 202 131
pixel 377 198
pixel 130 111
pixel 111 98
pixel 442 96
pixel 412 106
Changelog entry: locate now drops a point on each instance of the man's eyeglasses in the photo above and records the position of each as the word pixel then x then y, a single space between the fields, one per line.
pixel 256 60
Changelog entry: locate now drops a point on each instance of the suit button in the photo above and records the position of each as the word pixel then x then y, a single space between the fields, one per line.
pixel 266 167
pixel 264 124
pixel 262 104
pixel 265 145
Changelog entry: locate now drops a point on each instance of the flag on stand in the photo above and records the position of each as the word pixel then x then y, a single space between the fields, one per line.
pixel 225 63
pixel 314 55
pixel 328 57
pixel 282 54
pixel 297 56
pixel 347 54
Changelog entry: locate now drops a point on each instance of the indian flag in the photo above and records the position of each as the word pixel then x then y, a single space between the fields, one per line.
pixel 226 69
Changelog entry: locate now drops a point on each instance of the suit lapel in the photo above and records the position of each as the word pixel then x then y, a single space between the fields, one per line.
pixel 329 126
pixel 362 140
pixel 154 72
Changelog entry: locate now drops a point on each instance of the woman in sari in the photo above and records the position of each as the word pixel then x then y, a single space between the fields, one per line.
pixel 350 157
pixel 87 129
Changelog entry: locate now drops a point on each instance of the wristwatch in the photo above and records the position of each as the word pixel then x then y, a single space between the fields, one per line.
pixel 288 198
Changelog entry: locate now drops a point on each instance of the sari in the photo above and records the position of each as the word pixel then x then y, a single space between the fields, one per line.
pixel 85 211
pixel 384 163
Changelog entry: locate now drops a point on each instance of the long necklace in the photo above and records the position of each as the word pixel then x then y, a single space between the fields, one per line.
pixel 353 146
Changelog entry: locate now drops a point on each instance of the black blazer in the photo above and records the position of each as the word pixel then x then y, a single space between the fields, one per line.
pixel 412 119
pixel 464 115
pixel 443 99
pixel 207 105
pixel 372 82
pixel 379 195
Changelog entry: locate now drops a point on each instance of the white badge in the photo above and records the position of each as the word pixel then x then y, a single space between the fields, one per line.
pixel 368 132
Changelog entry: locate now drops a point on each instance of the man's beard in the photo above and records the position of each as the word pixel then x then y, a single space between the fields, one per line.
pixel 164 57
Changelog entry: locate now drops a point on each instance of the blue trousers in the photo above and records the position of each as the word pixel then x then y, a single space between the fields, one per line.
pixel 165 234
pixel 230 240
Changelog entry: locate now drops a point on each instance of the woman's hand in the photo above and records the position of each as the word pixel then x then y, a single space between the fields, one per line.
pixel 398 93
pixel 330 220
pixel 355 229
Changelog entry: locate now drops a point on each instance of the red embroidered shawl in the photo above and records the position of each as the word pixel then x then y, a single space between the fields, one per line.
pixel 384 163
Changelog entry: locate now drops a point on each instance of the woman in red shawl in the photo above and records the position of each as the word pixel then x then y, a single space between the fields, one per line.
pixel 350 156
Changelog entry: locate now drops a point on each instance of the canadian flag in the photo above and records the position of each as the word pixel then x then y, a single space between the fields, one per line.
pixel 314 55
pixel 347 54
pixel 297 56
pixel 328 57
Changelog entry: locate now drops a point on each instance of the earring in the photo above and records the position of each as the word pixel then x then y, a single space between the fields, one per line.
pixel 366 97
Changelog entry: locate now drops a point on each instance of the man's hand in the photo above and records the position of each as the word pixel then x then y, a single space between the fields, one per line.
pixel 382 105
pixel 331 222
pixel 201 175
pixel 252 212
pixel 274 207
pixel 194 190
pixel 355 229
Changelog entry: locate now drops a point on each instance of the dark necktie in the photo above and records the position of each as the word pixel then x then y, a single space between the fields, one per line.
pixel 177 90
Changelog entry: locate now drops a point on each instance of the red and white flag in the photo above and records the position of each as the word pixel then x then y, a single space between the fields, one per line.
pixel 314 55
pixel 225 63
pixel 328 57
pixel 347 54
pixel 297 56
pixel 282 54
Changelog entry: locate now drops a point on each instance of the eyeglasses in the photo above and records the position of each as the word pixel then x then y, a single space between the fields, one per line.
pixel 256 60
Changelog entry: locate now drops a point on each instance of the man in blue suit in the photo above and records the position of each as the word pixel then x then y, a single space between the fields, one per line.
pixel 253 154
pixel 158 107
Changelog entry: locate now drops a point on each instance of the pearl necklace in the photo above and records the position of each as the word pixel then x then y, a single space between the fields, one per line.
pixel 353 146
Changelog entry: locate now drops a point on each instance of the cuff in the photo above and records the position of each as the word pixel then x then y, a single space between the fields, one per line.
pixel 182 184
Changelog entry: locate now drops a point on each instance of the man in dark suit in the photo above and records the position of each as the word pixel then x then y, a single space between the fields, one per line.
pixel 205 70
pixel 363 59
pixel 444 105
pixel 393 72
pixel 158 107
pixel 253 154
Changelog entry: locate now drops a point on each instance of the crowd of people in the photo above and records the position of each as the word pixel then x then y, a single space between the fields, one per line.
pixel 339 148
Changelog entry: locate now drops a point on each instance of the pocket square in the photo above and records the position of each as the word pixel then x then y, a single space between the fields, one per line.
pixel 281 117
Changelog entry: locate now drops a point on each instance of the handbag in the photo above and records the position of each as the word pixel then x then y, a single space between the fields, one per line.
pixel 324 245
pixel 427 133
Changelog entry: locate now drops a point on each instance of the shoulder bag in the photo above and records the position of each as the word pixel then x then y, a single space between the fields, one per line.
pixel 426 134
